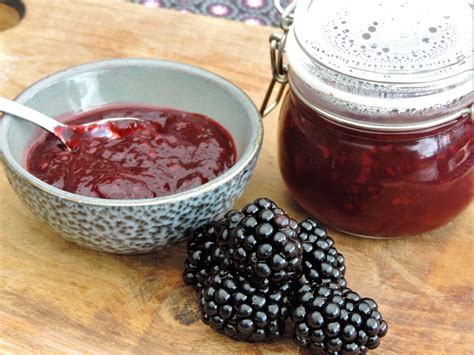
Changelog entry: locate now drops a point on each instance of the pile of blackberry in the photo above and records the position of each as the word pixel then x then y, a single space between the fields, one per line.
pixel 255 268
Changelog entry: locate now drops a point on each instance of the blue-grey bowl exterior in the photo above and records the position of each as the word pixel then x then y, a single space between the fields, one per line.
pixel 133 226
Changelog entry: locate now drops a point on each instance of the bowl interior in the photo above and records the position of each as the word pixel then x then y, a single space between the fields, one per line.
pixel 154 82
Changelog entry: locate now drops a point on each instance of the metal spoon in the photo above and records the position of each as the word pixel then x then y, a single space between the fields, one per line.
pixel 69 135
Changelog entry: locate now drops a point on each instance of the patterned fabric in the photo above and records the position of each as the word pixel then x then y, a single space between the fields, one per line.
pixel 253 12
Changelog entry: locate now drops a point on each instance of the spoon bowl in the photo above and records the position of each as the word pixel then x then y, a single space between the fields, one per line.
pixel 69 135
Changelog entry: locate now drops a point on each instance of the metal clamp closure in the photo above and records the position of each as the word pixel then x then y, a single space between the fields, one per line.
pixel 277 54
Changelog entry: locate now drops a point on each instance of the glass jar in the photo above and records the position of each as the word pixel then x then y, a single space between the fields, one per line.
pixel 376 132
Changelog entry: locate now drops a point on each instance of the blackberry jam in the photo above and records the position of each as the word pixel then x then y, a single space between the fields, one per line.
pixel 375 183
pixel 167 152
pixel 376 132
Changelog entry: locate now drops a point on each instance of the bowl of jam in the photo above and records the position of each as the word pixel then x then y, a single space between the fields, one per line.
pixel 184 161
pixel 376 131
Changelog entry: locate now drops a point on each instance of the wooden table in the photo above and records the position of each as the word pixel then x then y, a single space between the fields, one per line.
pixel 58 297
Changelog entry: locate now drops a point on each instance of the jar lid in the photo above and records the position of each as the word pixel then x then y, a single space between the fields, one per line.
pixel 392 65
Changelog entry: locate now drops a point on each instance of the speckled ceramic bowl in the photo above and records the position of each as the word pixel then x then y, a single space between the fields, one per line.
pixel 133 226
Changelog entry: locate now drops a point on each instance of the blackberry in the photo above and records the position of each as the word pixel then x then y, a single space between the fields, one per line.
pixel 233 306
pixel 332 320
pixel 264 246
pixel 321 261
pixel 204 255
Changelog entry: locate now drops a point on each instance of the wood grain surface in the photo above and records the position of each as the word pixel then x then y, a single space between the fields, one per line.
pixel 57 297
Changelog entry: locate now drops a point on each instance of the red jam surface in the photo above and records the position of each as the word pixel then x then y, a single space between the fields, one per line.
pixel 375 184
pixel 171 151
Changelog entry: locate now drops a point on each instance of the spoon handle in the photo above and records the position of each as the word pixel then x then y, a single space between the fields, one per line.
pixel 26 113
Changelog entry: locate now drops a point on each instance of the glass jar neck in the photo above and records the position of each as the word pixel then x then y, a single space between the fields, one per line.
pixel 307 112
pixel 376 105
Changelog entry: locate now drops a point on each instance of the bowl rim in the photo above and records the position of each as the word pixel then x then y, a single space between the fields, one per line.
pixel 42 84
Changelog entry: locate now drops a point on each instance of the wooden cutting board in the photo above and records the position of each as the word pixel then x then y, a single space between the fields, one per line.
pixel 58 297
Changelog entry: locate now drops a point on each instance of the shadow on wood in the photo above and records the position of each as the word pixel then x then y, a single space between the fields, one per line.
pixel 11 13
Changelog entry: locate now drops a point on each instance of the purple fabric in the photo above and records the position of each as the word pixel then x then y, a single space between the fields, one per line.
pixel 253 12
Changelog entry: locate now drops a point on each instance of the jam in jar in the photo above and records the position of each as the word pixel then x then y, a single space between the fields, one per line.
pixel 376 132
pixel 376 183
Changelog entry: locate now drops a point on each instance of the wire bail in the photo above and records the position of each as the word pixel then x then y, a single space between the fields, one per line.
pixel 277 54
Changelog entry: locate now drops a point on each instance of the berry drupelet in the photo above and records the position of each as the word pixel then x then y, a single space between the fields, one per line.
pixel 264 247
pixel 233 306
pixel 204 255
pixel 225 226
pixel 321 261
pixel 331 320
